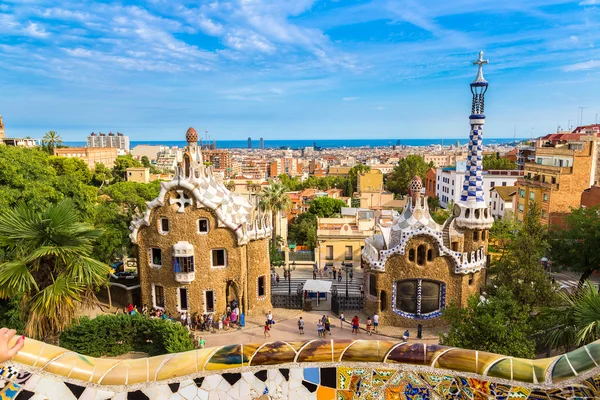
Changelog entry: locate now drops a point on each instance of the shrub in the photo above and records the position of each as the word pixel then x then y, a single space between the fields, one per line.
pixel 113 335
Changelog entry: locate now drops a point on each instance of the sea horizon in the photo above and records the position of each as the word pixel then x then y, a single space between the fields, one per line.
pixel 322 143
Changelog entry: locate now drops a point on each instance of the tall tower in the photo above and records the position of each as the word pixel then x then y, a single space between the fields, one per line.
pixel 249 143
pixel 2 135
pixel 471 211
pixel 262 144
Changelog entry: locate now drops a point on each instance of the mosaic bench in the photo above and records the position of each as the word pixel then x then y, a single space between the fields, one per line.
pixel 315 369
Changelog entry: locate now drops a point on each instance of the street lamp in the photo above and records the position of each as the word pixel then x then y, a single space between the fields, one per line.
pixel 291 267
pixel 347 268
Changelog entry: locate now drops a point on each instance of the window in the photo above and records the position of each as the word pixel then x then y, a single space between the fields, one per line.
pixel 261 286
pixel 164 225
pixel 544 214
pixel 539 160
pixel 503 183
pixel 483 234
pixel 348 253
pixel 531 195
pixel 373 285
pixel 418 297
pixel 522 193
pixel 329 253
pixel 183 264
pixel 501 206
pixel 454 246
pixel 553 179
pixel 470 279
pixel 545 197
pixel 494 205
pixel 492 184
pixel 218 258
pixel 429 254
pixel 411 255
pixel 202 225
pixel 521 208
pixel 421 250
pixel 156 257
pixel 159 296
pixel 209 301
pixel 475 235
pixel 183 299
pixel 383 300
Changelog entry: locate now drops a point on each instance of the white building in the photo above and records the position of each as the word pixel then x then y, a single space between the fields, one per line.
pixel 119 141
pixel 501 201
pixel 450 181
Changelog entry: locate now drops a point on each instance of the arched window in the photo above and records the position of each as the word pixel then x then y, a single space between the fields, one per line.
pixel 383 300
pixel 418 297
pixel 483 235
pixel 411 255
pixel 373 285
pixel 476 235
pixel 467 213
pixel 421 251
pixel 429 254
pixel 477 213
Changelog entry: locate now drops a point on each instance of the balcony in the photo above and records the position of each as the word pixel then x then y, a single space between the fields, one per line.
pixel 184 277
pixel 537 183
pixel 547 169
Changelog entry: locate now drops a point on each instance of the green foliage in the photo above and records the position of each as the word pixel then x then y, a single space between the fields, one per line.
pixel 441 215
pixel 326 207
pixel 399 179
pixel 502 231
pixel 275 256
pixel 132 196
pixel 101 175
pixel 519 270
pixel 51 140
pixel 121 165
pixel 498 325
pixel 113 335
pixel 575 247
pixel 47 261
pixel 496 162
pixel 145 162
pixel 10 314
pixel 304 230
pixel 321 183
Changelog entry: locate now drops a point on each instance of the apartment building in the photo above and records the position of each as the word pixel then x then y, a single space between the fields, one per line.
pixel 219 159
pixel 119 141
pixel 501 201
pixel 341 240
pixel 91 156
pixel 450 182
pixel 562 171
pixel 444 160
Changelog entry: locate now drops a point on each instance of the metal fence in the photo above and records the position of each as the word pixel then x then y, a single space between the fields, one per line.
pixel 302 255
pixel 280 300
pixel 343 303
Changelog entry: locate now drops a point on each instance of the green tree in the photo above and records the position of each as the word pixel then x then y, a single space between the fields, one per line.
pixel 502 232
pixel 326 207
pixel 145 161
pixel 575 320
pixel 51 139
pixel 399 179
pixel 496 162
pixel 353 176
pixel 499 324
pixel 46 260
pixel 291 184
pixel 101 175
pixel 274 199
pixel 121 165
pixel 304 230
pixel 575 247
pixel 132 196
pixel 519 270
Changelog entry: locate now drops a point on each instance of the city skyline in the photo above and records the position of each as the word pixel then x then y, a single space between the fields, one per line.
pixel 300 69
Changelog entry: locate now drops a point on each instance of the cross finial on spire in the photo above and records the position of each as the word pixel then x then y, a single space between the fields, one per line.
pixel 480 62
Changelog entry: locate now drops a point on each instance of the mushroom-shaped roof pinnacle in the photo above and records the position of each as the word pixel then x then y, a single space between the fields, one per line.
pixel 191 135
pixel 415 185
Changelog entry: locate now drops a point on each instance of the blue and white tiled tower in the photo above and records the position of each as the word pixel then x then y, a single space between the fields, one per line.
pixel 472 212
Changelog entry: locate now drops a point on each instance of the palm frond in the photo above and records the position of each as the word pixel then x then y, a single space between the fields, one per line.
pixel 15 278
pixel 53 308
pixel 587 313
pixel 87 271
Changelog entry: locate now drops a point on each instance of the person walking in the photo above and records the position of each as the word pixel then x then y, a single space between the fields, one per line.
pixel 340 277
pixel 201 342
pixel 301 326
pixel 342 320
pixel 376 322
pixel 351 274
pixel 327 325
pixel 369 326
pixel 320 329
pixel 334 274
pixel 314 274
pixel 277 279
pixel 355 322
pixel 270 319
pixel 267 329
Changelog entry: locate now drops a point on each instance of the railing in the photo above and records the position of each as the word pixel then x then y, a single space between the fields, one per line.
pixel 302 255
pixel 280 300
pixel 339 302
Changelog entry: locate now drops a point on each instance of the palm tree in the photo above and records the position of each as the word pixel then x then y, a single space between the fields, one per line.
pixel 576 321
pixel 46 261
pixel 274 199
pixel 51 139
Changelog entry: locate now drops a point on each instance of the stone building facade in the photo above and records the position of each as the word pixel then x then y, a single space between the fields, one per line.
pixel 415 268
pixel 91 155
pixel 201 246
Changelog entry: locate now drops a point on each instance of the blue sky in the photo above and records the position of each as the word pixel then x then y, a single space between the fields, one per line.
pixel 295 69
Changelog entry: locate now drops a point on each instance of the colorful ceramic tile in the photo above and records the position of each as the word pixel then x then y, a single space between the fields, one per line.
pixel 363 351
pixel 432 351
pixel 339 346
pixel 273 354
pixel 407 354
pixel 541 367
pixel 519 392
pixel 10 391
pixel 316 351
pixel 580 360
pixel 312 375
pixel 181 364
pixel 562 370
pixel 501 369
pixel 325 393
pixel 248 351
pixel 226 357
pixel 522 370
pixel 458 360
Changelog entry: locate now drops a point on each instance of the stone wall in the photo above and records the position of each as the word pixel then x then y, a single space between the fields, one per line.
pixel 318 369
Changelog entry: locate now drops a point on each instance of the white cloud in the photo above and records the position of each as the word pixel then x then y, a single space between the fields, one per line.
pixel 350 98
pixel 35 30
pixel 380 108
pixel 589 3
pixel 582 66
